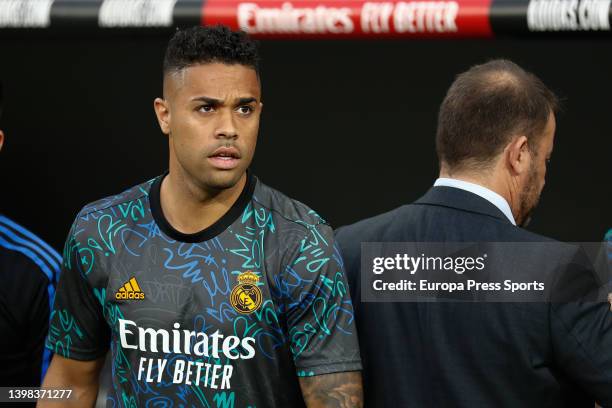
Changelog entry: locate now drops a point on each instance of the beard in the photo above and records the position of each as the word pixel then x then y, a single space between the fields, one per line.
pixel 529 198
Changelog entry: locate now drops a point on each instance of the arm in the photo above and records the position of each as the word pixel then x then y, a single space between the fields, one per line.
pixel 321 324
pixel 581 331
pixel 341 390
pixel 80 376
pixel 79 335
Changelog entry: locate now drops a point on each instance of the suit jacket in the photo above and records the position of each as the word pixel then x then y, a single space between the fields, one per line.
pixel 467 354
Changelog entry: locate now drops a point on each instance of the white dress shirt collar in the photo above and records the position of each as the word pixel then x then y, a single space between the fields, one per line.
pixel 489 195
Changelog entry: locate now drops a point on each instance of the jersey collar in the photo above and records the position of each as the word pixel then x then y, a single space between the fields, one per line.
pixel 208 233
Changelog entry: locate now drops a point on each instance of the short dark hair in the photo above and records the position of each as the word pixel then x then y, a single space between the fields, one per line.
pixel 487 105
pixel 202 45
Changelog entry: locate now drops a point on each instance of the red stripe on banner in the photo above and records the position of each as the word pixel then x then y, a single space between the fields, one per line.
pixel 352 19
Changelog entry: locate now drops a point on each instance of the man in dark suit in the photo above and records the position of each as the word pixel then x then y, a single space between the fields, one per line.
pixel 495 136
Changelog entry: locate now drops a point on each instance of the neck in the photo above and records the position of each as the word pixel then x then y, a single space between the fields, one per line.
pixel 489 181
pixel 189 208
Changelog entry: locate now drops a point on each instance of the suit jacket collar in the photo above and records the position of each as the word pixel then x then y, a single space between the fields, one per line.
pixel 462 200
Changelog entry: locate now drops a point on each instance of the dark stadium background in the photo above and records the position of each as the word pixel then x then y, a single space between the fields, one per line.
pixel 348 126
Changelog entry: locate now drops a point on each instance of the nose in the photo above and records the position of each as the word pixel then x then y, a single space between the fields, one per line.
pixel 226 128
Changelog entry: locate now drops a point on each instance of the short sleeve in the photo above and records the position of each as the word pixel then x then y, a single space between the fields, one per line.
pixel 77 328
pixel 320 315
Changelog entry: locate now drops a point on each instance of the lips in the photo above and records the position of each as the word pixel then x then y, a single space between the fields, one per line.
pixel 225 158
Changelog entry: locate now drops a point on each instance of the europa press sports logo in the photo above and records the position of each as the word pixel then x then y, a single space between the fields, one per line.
pixel 130 291
pixel 246 297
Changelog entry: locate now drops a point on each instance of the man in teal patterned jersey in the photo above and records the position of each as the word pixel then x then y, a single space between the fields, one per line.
pixel 210 288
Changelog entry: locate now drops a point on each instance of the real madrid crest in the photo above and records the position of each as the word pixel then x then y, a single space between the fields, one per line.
pixel 246 296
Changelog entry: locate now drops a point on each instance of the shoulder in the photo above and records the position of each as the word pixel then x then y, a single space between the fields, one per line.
pixel 28 251
pixel 92 241
pixel 110 203
pixel 350 237
pixel 288 211
pixel 541 246
pixel 524 235
pixel 117 205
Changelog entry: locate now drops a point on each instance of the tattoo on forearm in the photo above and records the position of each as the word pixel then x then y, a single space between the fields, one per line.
pixel 338 390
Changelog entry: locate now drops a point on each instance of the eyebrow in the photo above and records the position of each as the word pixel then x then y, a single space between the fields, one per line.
pixel 208 100
pixel 217 102
pixel 246 101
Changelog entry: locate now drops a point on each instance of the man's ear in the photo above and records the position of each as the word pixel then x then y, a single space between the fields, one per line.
pixel 162 111
pixel 518 156
pixel 260 106
pixel 1 139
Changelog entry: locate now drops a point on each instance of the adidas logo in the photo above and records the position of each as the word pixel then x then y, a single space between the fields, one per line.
pixel 130 290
